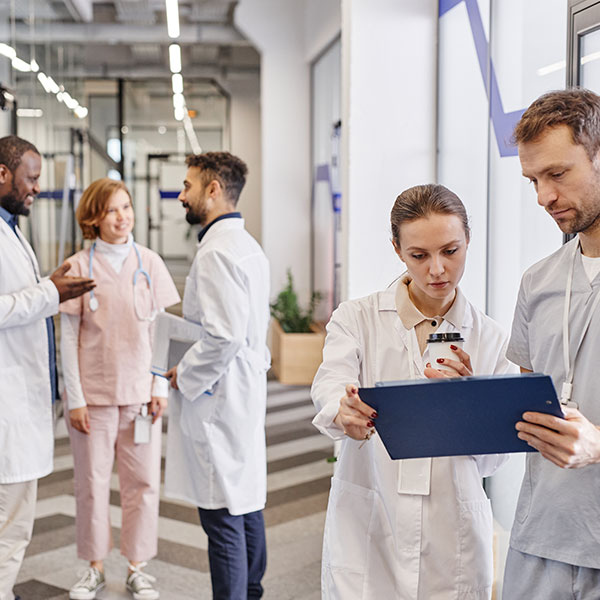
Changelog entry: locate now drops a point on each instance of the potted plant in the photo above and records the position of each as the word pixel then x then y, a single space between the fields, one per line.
pixel 296 342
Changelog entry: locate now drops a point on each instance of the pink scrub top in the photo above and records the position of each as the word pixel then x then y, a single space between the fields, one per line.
pixel 115 347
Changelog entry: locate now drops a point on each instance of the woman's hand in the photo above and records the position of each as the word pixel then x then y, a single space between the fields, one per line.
pixel 80 419
pixel 157 407
pixel 354 416
pixel 460 368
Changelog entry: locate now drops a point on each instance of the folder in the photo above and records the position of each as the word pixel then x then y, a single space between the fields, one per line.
pixel 459 416
pixel 173 336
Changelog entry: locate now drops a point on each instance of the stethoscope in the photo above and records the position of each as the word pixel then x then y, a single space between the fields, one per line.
pixel 140 271
pixel 567 386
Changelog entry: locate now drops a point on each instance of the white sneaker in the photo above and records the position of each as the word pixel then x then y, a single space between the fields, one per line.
pixel 140 584
pixel 92 581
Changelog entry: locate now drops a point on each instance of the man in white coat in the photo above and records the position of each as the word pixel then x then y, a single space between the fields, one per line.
pixel 27 359
pixel 216 454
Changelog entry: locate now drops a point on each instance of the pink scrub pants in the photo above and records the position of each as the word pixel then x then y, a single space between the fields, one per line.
pixel 111 432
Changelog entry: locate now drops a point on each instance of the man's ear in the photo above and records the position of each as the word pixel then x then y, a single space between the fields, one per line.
pixel 214 189
pixel 5 174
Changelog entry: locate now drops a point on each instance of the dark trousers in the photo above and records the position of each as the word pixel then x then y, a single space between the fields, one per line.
pixel 237 553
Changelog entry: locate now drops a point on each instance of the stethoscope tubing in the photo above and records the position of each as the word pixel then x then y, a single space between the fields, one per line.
pixel 140 271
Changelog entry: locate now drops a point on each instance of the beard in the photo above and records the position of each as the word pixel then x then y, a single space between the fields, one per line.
pixel 13 204
pixel 587 217
pixel 196 217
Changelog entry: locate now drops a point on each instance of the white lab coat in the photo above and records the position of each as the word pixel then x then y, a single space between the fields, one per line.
pixel 216 452
pixel 26 425
pixel 381 542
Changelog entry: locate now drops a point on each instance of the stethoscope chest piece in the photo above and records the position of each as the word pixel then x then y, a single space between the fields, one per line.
pixel 93 304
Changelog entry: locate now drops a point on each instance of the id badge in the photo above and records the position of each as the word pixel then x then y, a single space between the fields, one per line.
pixel 142 427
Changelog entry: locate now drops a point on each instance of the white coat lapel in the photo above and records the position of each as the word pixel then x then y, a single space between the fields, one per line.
pixel 21 246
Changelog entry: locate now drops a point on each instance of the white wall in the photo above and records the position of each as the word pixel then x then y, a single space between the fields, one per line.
pixel 246 143
pixel 287 33
pixel 388 116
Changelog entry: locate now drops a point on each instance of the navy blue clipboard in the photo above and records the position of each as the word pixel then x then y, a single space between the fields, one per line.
pixel 460 416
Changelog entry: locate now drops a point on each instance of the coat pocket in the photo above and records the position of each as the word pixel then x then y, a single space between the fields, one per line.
pixel 475 532
pixel 345 540
pixel 195 415
pixel 14 401
pixel 357 545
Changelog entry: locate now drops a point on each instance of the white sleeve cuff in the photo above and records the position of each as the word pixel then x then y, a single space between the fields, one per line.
pixel 323 421
pixel 160 387
pixel 69 350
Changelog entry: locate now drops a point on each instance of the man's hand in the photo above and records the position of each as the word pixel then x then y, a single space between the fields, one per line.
pixel 570 443
pixel 157 407
pixel 80 419
pixel 70 287
pixel 354 416
pixel 172 375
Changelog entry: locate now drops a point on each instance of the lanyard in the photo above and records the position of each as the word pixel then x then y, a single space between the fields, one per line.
pixel 567 386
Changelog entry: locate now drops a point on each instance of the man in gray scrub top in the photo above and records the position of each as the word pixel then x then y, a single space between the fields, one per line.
pixel 555 543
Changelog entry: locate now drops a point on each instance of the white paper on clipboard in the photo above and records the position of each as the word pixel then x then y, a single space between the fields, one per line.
pixel 173 336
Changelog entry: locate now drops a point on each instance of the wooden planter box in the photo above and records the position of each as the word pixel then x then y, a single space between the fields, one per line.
pixel 295 357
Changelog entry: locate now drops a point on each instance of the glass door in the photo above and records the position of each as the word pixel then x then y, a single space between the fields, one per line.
pixel 583 59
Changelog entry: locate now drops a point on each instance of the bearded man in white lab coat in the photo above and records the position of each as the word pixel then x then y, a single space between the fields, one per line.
pixel 27 360
pixel 216 454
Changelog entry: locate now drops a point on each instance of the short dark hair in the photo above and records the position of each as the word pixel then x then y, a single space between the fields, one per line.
pixel 229 170
pixel 420 201
pixel 577 108
pixel 12 148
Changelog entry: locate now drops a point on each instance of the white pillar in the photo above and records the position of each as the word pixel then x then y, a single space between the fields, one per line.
pixel 276 27
pixel 389 127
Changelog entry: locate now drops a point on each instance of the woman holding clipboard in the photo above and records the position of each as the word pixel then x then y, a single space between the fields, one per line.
pixel 418 529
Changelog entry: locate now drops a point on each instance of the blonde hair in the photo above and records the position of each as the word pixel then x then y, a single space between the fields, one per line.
pixel 93 206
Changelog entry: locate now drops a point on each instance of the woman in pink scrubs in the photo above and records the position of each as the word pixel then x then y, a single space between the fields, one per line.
pixel 106 355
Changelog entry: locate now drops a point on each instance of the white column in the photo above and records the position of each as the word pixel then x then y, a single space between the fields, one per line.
pixel 389 127
pixel 276 27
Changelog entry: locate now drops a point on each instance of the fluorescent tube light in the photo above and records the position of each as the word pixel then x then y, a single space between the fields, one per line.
pixel 34 66
pixel 172 7
pixel 20 65
pixel 81 112
pixel 551 68
pixel 70 102
pixel 8 51
pixel 30 112
pixel 175 58
pixel 179 113
pixel 177 80
pixel 44 81
pixel 178 101
pixel 54 88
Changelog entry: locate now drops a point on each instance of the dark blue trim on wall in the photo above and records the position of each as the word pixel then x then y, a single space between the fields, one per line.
pixel 503 122
pixel 164 195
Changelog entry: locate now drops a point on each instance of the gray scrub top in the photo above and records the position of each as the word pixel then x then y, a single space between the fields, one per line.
pixel 558 512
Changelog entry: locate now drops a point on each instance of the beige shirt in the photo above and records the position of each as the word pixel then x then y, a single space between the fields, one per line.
pixel 411 316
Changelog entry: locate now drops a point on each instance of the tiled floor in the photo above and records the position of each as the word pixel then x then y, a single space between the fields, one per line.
pixel 298 484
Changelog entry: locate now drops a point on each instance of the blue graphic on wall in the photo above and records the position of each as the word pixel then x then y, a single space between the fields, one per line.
pixel 502 122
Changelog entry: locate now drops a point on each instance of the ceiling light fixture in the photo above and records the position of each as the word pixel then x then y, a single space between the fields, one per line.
pixel 20 65
pixel 178 101
pixel 175 58
pixel 30 112
pixel 177 80
pixel 179 113
pixel 8 51
pixel 172 7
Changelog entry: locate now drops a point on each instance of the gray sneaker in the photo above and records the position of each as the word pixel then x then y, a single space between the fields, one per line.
pixel 91 582
pixel 140 583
